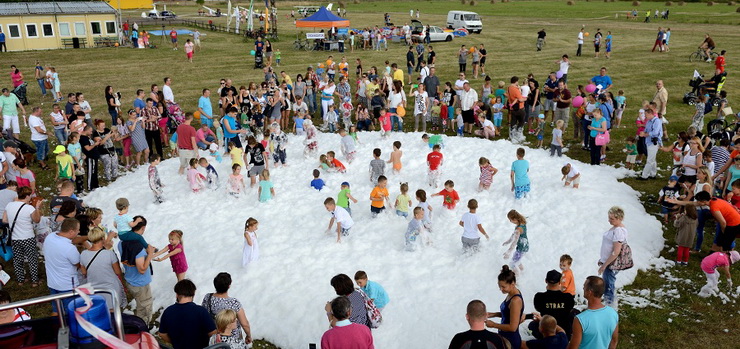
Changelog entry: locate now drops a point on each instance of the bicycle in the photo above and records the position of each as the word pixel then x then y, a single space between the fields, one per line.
pixel 699 55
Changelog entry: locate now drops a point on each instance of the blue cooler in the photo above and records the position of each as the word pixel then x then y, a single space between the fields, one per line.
pixel 97 315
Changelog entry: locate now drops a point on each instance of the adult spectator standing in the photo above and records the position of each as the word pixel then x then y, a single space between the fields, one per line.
pixel 3 48
pixel 231 133
pixel 69 107
pixel 224 92
pixel 258 45
pixel 727 217
pixel 169 96
pixel 459 83
pixel 20 216
pixel 563 98
pixel 150 116
pixel 596 127
pixel 220 300
pixel 462 58
pixel 185 324
pixel 468 98
pixel 9 104
pixel 423 72
pixel 186 142
pixel 92 156
pixel 39 75
pixel 139 103
pixel 196 39
pixel 431 56
pixel 62 259
pixel 421 106
pixel 10 153
pixel 344 333
pixel 564 63
pixel 553 302
pixel 136 259
pixel 477 337
pixel 597 42
pixel 344 286
pixel 597 327
pixel 205 108
pixel 541 35
pixel 431 84
pixel 102 269
pixel 39 137
pixel 516 105
pixel 482 51
pixel 602 81
pixel 653 134
pixel 611 245
pixel 580 42
pixel 661 101
pixel 173 38
pixel 104 138
pixel 551 85
pixel 659 40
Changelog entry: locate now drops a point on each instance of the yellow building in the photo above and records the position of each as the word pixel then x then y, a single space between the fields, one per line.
pixel 53 25
pixel 130 4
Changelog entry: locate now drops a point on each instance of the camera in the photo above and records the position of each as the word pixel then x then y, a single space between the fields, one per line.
pixel 654 140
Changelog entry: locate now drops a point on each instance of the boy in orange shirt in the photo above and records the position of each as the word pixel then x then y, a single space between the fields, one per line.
pixel 566 282
pixel 450 197
pixel 334 162
pixel 379 196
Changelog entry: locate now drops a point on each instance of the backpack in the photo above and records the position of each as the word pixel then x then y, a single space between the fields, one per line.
pixel 374 317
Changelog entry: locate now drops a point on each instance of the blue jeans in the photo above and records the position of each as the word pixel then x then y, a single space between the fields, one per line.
pixel 61 135
pixel 42 148
pixel 41 86
pixel 586 132
pixel 610 290
pixel 113 115
pixel 64 302
pixel 702 219
pixel 202 145
pixel 311 101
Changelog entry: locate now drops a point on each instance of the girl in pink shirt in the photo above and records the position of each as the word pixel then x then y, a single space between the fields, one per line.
pixel 717 260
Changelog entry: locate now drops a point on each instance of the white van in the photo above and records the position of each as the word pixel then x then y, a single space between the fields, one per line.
pixel 464 19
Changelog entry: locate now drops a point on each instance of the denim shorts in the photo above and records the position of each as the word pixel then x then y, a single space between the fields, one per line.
pixel 42 148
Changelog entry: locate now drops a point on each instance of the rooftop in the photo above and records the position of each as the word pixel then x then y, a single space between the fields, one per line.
pixel 53 7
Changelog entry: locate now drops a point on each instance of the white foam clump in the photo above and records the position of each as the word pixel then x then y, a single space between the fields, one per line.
pixel 285 291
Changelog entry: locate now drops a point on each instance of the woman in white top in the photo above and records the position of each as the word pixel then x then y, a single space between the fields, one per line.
pixel 60 124
pixel 396 99
pixel 102 268
pixel 691 162
pixel 20 216
pixel 611 246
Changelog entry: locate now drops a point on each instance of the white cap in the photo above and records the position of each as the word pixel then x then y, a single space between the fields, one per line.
pixel 213 147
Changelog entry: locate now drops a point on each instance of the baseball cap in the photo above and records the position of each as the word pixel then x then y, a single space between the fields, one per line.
pixel 345 184
pixel 673 179
pixel 213 147
pixel 553 277
pixel 60 148
pixel 541 116
pixel 10 144
pixel 734 256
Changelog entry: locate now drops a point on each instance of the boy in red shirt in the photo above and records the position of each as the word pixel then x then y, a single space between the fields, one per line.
pixel 334 163
pixel 385 123
pixel 434 161
pixel 449 195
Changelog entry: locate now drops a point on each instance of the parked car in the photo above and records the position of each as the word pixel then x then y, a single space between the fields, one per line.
pixel 435 34
pixel 464 19
pixel 163 14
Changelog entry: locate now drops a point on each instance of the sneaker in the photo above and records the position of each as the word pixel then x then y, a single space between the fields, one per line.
pixel 709 60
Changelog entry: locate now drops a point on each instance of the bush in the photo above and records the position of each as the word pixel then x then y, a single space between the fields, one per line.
pixel 669 3
pixel 463 2
pixel 571 2
pixel 473 3
pixel 493 2
pixel 635 3
pixel 731 3
pixel 682 3
pixel 711 3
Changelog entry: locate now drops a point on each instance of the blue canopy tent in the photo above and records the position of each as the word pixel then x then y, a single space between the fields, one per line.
pixel 323 18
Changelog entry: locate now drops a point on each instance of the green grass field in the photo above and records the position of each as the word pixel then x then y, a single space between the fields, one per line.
pixel 509 35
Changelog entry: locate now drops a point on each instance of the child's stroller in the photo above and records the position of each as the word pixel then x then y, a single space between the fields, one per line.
pixel 258 60
pixel 175 117
pixel 20 92
pixel 698 83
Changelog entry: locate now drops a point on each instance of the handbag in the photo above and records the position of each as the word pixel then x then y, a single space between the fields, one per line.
pixel 401 111
pixel 48 85
pixel 624 260
pixel 726 111
pixel 6 241
pixel 602 139
pixel 374 317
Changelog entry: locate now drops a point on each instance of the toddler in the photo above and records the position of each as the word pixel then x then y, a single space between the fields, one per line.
pixel 266 190
pixel 372 289
pixel 347 146
pixel 298 124
pixel 379 196
pixel 226 324
pixel 487 171
pixel 540 132
pixel 385 123
pixel 334 163
pixel 236 181
pixel 278 141
pixel 570 175
pixel 251 250
pixel 353 133
pixel 213 151
pixel 65 164
pixel 631 149
pixel 460 122
pixel 433 140
pixel 472 224
pixel 317 183
pixel 434 161
pixel 278 56
pixel 195 178
pixel 621 102
pixel 417 227
pixel 517 240
pixel 173 146
pixel 75 151
pixel 498 115
pixel 341 216
pixel 396 157
pixel 449 195
pixel 237 154
pixel 436 110
pixel 670 191
pixel 567 282
pixel 346 109
pixel 556 145
pixel 520 175
pixel 154 183
pixel 710 265
pixel 403 201
pixel 311 142
pixel 421 197
pixel 344 197
pixel 324 163
pixel 211 174
pixel 377 166
pixel 685 224
pixel 331 118
pixel 176 254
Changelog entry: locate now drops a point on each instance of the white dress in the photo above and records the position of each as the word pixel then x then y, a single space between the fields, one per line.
pixel 250 253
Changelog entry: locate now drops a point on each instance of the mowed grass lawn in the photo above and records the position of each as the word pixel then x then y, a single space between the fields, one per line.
pixel 509 35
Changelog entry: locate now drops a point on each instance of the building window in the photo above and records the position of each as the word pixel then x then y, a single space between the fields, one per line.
pixel 64 29
pixel 80 29
pixel 14 30
pixel 95 28
pixel 47 29
pixel 32 31
pixel 110 27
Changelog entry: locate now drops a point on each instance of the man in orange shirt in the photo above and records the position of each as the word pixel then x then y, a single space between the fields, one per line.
pixel 516 104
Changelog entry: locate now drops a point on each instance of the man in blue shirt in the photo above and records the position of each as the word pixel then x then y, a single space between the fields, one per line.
pixel 602 79
pixel 205 108
pixel 654 139
pixel 550 86
pixel 607 110
pixel 138 275
pixel 598 325
pixel 2 42
pixel 139 103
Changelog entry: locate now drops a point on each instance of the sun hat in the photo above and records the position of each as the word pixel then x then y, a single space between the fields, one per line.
pixel 60 148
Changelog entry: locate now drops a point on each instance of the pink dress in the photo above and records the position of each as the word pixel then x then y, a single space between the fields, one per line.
pixel 179 263
pixel 710 263
pixel 486 175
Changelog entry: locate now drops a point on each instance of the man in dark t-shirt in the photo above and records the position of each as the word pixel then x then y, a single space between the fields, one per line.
pixel 478 337
pixel 553 302
pixel 92 155
pixel 185 324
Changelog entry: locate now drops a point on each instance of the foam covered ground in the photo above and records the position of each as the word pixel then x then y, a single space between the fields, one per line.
pixel 285 291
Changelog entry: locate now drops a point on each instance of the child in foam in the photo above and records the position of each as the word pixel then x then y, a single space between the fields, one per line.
pixel 176 253
pixel 312 144
pixel 517 240
pixel 487 171
pixel 710 266
pixel 251 249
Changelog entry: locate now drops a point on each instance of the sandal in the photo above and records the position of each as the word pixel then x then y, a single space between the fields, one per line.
pixel 34 285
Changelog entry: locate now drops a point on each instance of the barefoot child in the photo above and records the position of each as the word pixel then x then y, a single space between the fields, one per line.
pixel 372 289
pixel 195 179
pixel 347 145
pixel 176 254
pixel 567 282
pixel 344 197
pixel 433 140
pixel 540 131
pixel 711 264
pixel 396 157
pixel 685 224
pixel 520 175
pixel 237 154
pixel 449 195
pixel 403 201
pixel 631 149
pixel 334 163
pixel 434 161
pixel 517 240
pixel 416 228
pixel 472 224
pixel 556 145
pixel 570 175
pixel 317 183
pixel 211 174
pixel 266 190
pixel 251 250
pixel 379 196
pixel 312 144
pixel 278 142
pixel 498 115
pixel 341 216
pixel 377 166
pixel 487 171
pixel 421 197
pixel 236 181
pixel 385 123
pixel 154 183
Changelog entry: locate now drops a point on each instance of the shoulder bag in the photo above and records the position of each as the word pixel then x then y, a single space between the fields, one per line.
pixel 374 317
pixel 7 241
pixel 624 260
pixel 602 138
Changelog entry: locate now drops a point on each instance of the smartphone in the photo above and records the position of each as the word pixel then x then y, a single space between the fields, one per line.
pixel 312 346
pixel 529 317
